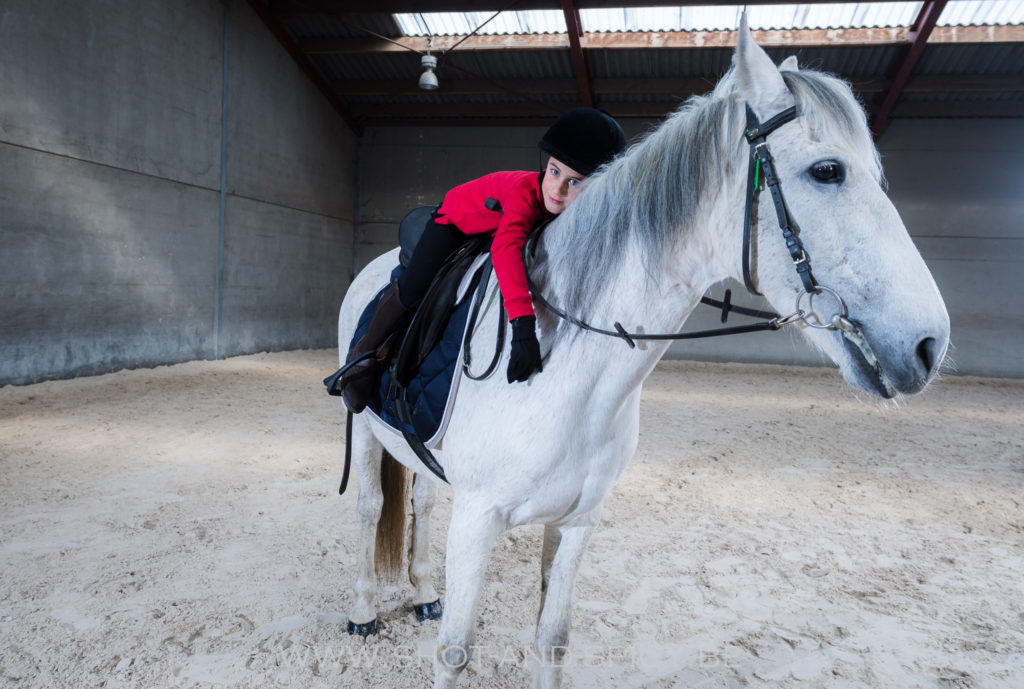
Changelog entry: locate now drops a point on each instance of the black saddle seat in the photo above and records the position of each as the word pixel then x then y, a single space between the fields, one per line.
pixel 411 229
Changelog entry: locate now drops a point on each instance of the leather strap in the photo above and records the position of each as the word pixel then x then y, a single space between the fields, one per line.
pixel 425 455
pixel 348 454
pixel 726 307
pixel 620 332
pixel 761 161
pixel 759 130
pixel 478 299
pixel 748 223
pixel 333 381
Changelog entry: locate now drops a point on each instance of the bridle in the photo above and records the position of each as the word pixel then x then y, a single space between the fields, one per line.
pixel 760 161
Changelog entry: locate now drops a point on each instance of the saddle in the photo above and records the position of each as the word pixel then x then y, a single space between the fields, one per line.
pixel 435 309
pixel 417 390
pixel 411 229
pixel 437 306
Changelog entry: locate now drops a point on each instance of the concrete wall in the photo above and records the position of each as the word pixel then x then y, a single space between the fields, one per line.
pixel 957 185
pixel 404 167
pixel 953 181
pixel 150 211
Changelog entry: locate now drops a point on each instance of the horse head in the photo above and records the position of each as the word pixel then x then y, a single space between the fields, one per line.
pixel 859 251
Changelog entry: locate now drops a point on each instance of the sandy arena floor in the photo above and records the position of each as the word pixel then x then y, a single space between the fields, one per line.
pixel 180 527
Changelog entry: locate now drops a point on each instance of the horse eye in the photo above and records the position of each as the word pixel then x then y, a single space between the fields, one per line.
pixel 828 171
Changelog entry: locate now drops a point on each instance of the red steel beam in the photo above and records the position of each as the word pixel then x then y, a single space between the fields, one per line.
pixel 575 29
pixel 304 63
pixel 918 38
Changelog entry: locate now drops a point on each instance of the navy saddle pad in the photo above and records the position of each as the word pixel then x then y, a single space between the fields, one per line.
pixel 428 391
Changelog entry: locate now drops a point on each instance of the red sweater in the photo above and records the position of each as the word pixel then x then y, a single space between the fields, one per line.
pixel 522 207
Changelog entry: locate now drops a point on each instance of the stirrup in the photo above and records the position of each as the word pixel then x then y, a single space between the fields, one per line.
pixel 333 381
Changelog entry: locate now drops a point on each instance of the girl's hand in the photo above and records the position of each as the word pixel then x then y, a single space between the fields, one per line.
pixel 525 358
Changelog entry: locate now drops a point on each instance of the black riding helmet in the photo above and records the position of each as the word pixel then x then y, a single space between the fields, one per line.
pixel 584 139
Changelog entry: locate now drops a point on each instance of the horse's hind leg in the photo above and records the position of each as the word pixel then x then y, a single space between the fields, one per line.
pixel 563 550
pixel 426 603
pixel 366 458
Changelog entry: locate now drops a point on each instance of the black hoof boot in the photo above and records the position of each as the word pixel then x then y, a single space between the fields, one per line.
pixel 428 611
pixel 364 630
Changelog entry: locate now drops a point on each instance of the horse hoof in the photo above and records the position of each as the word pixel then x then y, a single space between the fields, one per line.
pixel 428 611
pixel 364 630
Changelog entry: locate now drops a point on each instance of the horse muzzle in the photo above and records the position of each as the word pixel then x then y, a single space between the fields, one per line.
pixel 891 369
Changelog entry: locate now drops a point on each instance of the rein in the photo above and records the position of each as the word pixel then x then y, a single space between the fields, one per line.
pixel 760 159
pixel 774 322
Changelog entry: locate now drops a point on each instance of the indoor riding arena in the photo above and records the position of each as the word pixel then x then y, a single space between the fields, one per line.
pixel 188 190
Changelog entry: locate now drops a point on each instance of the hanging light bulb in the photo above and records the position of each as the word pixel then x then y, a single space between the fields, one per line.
pixel 428 80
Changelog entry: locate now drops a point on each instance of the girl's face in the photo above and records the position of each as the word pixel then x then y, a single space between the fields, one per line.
pixel 560 186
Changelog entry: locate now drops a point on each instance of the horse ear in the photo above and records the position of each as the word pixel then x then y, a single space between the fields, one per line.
pixel 789 65
pixel 758 80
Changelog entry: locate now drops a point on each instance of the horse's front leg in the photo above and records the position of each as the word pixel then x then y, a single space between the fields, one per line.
pixel 426 603
pixel 563 550
pixel 470 538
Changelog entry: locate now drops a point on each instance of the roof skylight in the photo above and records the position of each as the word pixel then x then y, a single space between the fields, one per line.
pixel 711 18
pixel 462 23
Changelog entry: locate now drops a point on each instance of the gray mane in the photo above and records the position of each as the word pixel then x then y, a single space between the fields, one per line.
pixel 650 194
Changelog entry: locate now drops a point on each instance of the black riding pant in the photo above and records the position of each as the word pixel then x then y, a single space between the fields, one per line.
pixel 437 244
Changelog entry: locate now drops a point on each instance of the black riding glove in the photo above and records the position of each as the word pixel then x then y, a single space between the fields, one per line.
pixel 525 358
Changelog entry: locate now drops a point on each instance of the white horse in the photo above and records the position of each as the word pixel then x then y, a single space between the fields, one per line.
pixel 644 240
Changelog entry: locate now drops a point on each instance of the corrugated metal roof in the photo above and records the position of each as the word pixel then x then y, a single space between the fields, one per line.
pixel 388 66
pixel 992 96
pixel 658 64
pixel 545 64
pixel 976 58
pixel 842 59
pixel 446 107
pixel 713 18
pixel 673 100
pixel 714 62
pixel 440 98
pixel 513 81
pixel 320 25
pixel 495 65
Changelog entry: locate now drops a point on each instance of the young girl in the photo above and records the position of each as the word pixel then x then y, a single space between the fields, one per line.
pixel 579 142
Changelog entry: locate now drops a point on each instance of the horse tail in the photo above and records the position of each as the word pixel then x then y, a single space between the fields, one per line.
pixel 391 527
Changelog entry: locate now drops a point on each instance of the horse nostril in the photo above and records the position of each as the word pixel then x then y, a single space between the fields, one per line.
pixel 928 354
